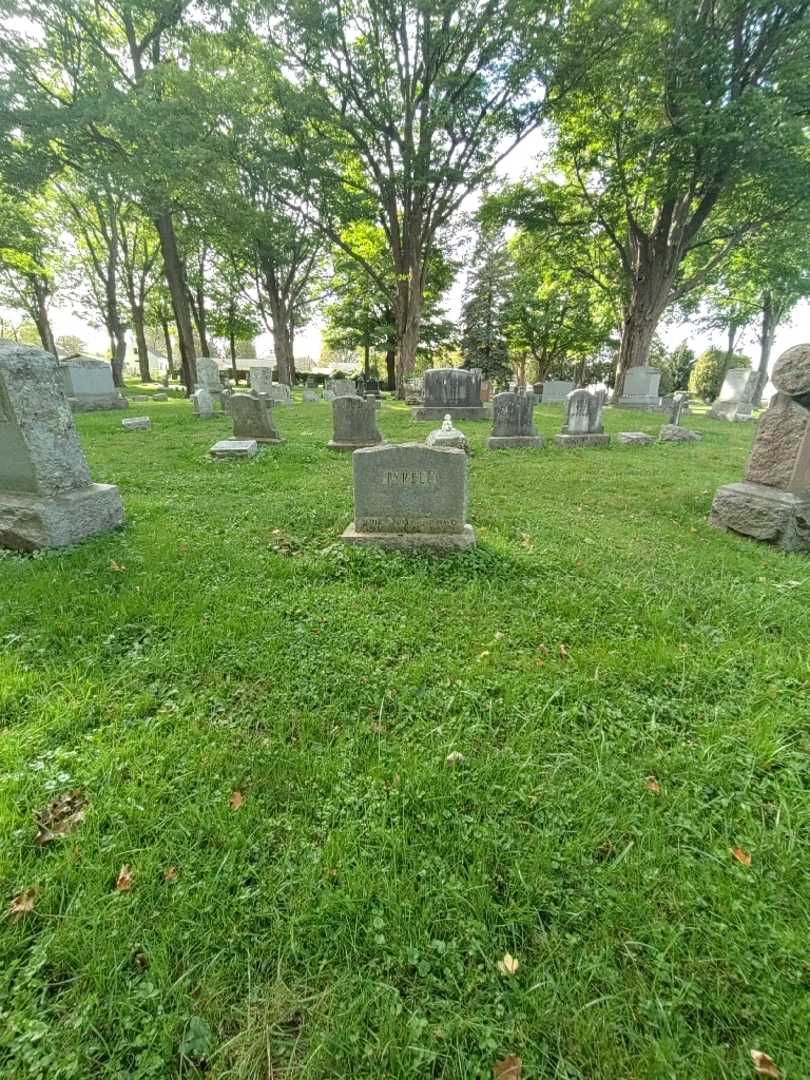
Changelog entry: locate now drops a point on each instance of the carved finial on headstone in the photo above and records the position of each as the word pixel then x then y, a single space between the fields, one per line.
pixel 447 423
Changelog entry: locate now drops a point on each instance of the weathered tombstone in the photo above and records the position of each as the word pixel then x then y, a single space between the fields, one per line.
pixel 773 502
pixel 310 394
pixel 413 391
pixel 410 496
pixel 47 498
pixel 335 388
pixel 252 416
pixel 554 391
pixel 280 394
pixel 136 423
pixel 513 423
pixel 676 433
pixel 640 388
pixel 235 448
pixel 203 403
pixel 734 401
pixel 360 386
pixel 208 377
pixel 448 437
pixel 451 390
pixel 635 438
pixel 583 421
pixel 373 388
pixel 354 423
pixel 89 386
pixel 679 408
pixel 160 396
pixel 261 379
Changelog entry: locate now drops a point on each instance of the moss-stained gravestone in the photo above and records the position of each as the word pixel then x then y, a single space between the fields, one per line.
pixel 773 502
pixel 47 498
pixel 410 497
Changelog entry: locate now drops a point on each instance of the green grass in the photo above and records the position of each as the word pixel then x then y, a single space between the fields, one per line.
pixel 348 919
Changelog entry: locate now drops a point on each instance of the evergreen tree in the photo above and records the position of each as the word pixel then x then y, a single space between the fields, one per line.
pixel 484 334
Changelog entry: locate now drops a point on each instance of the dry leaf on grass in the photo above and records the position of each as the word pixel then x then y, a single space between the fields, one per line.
pixel 508 965
pixel 123 883
pixel 763 1064
pixel 170 875
pixel 455 757
pixel 117 567
pixel 24 903
pixel 510 1068
pixel 741 855
pixel 235 800
pixel 56 820
pixel 652 785
pixel 564 653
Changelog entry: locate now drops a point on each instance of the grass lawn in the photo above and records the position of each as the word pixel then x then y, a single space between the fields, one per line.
pixel 629 689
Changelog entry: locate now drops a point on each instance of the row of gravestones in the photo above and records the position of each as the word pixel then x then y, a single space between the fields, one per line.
pixel 406 496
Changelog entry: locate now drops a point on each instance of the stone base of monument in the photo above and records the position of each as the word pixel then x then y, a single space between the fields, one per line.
pixel 238 448
pixel 571 441
pixel 98 404
pixel 438 412
pixel 32 522
pixel 732 412
pixel 635 438
pixel 645 404
pixel 764 513
pixel 676 433
pixel 514 442
pixel 463 541
pixel 349 447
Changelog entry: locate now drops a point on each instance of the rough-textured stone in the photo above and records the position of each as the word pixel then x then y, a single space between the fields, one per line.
pixel 136 423
pixel 354 423
pixel 678 408
pixel 791 372
pixel 448 437
pixel 414 394
pixel 513 422
pixel 47 498
pixel 451 390
pixel 208 377
pixel 261 379
pixel 583 421
pixel 235 448
pixel 335 388
pixel 640 388
pixel 160 396
pixel 676 433
pixel 410 497
pixel 780 456
pixel 635 438
pixel 252 416
pixel 280 394
pixel 734 401
pixel 764 513
pixel 203 403
pixel 554 391
pixel 88 385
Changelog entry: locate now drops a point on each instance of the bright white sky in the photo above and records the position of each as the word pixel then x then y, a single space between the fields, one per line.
pixel 521 160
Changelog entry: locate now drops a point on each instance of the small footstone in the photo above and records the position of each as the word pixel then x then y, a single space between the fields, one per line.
pixel 136 423
pixel 160 396
pixel 676 433
pixel 235 448
pixel 635 438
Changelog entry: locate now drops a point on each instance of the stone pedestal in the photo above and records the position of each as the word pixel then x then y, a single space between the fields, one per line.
pixel 410 497
pixel 568 442
pixel 235 448
pixel 47 498
pixel 640 388
pixel 453 391
pixel 764 513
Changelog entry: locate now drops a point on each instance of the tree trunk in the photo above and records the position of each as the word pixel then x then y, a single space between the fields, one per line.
pixel 167 338
pixel 770 321
pixel 366 361
pixel 197 306
pixel 409 321
pixel 140 342
pixel 175 279
pixel 391 368
pixel 651 290
pixel 40 314
pixel 119 352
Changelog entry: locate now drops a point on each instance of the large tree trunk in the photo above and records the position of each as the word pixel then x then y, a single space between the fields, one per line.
pixel 409 321
pixel 652 286
pixel 391 369
pixel 140 342
pixel 175 279
pixel 770 321
pixel 197 305
pixel 40 314
pixel 281 323
pixel 118 339
pixel 167 339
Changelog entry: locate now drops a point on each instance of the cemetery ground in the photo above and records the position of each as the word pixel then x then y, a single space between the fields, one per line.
pixel 345 813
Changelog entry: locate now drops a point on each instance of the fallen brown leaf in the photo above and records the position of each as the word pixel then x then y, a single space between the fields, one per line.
pixel 652 785
pixel 455 757
pixel 235 800
pixel 23 904
pixel 56 820
pixel 508 965
pixel 763 1064
pixel 123 883
pixel 741 855
pixel 510 1068
pixel 526 542
pixel 117 567
pixel 170 875
pixel 564 653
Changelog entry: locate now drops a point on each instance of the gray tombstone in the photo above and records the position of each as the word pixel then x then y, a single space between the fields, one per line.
pixel 448 436
pixel 773 502
pixel 413 391
pixel 252 416
pixel 451 390
pixel 354 423
pixel 410 497
pixel 88 385
pixel 310 394
pixel 635 438
pixel 160 396
pixel 203 403
pixel 640 388
pixel 335 388
pixel 280 394
pixel 208 377
pixel 234 448
pixel 261 379
pixel 583 421
pixel 513 423
pixel 734 402
pixel 136 423
pixel 679 407
pixel 554 391
pixel 47 498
